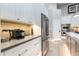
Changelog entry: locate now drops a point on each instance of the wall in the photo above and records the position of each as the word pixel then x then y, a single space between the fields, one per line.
pixel 55 20
pixel 68 18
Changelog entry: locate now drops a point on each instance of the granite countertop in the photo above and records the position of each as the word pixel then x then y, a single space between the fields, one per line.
pixel 15 42
pixel 73 35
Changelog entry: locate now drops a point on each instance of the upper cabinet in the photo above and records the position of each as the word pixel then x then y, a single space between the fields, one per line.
pixel 24 12
pixel 70 19
pixel 8 10
pixel 36 13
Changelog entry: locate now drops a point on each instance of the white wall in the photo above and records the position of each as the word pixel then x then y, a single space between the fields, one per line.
pixel 68 18
pixel 7 10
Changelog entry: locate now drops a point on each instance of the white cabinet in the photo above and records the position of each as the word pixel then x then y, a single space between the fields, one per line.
pixel 8 11
pixel 31 48
pixel 24 12
pixel 29 13
pixel 35 48
pixel 36 13
pixel 2 54
pixel 70 19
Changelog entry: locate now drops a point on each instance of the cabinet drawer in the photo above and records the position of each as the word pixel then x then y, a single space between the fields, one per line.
pixel 2 54
pixel 27 48
pixel 15 50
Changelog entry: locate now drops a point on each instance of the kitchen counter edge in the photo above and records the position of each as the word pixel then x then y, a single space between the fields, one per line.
pixel 4 49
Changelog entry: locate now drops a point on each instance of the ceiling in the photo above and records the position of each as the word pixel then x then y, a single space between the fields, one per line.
pixel 60 4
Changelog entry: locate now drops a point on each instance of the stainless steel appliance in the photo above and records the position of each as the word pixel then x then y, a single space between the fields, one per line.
pixel 65 28
pixel 7 34
pixel 18 34
pixel 44 34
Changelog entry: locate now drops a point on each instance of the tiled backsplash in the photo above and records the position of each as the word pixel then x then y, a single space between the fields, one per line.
pixel 75 27
pixel 14 25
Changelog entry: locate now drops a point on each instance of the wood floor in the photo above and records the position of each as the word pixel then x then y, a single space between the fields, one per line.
pixel 58 48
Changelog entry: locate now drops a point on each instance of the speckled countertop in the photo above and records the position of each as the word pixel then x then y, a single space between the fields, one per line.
pixel 15 42
pixel 73 35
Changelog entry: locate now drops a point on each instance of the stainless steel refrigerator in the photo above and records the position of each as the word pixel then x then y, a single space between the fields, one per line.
pixel 44 34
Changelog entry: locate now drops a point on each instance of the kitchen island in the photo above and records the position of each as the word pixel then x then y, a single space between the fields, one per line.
pixel 21 44
pixel 73 42
pixel 73 35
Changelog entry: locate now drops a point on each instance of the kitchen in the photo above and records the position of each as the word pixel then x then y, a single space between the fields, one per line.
pixel 30 29
pixel 20 32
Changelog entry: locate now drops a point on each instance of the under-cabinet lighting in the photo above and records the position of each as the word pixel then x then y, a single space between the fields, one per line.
pixel 76 15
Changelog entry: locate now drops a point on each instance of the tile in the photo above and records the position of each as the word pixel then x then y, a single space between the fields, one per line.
pixel 58 48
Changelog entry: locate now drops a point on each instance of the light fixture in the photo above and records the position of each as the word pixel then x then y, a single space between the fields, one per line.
pixel 76 14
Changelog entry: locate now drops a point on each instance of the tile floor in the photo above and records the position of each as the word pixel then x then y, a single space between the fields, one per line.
pixel 58 48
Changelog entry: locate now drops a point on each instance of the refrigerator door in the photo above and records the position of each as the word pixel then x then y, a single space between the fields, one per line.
pixel 44 33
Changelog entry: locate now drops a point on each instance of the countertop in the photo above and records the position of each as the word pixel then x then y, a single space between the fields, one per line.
pixel 15 42
pixel 73 35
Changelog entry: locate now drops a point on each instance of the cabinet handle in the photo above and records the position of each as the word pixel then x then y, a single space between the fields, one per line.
pixel 23 52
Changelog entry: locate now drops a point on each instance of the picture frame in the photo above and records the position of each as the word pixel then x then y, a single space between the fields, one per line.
pixel 78 7
pixel 72 8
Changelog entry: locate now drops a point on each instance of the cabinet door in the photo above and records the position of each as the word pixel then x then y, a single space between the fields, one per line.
pixel 36 13
pixel 68 42
pixel 77 48
pixel 8 11
pixel 24 12
pixel 2 54
pixel 27 49
pixel 35 48
pixel 72 46
pixel 16 51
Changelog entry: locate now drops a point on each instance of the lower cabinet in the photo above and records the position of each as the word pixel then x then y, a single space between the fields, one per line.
pixel 77 48
pixel 2 54
pixel 31 48
pixel 73 45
